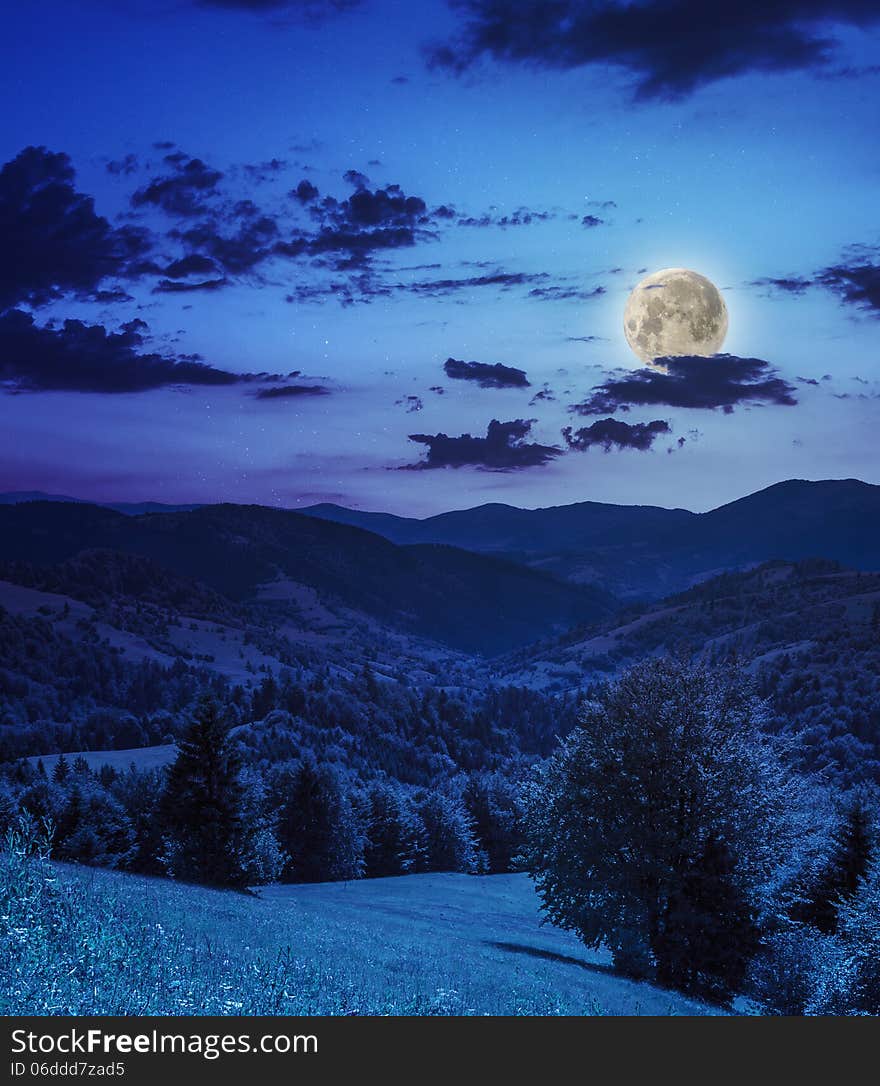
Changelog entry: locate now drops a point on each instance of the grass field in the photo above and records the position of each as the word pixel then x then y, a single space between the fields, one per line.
pixel 99 942
pixel 141 758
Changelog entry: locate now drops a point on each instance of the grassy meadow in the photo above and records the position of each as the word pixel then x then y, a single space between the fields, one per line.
pixel 86 941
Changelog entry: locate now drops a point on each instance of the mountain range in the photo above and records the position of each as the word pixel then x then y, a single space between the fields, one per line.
pixel 647 551
pixel 107 606
pixel 472 602
pixel 629 552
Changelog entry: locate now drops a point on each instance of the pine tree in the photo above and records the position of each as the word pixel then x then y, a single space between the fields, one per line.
pixel 393 831
pixel 710 931
pixel 450 844
pixel 93 827
pixel 849 983
pixel 61 771
pixel 850 859
pixel 202 806
pixel 492 804
pixel 318 828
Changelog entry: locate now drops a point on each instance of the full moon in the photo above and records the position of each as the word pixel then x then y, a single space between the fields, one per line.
pixel 675 312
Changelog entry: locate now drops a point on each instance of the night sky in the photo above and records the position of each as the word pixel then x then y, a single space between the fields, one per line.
pixel 378 252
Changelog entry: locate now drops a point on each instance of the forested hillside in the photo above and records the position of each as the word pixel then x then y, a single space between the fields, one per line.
pixel 298 723
pixel 808 631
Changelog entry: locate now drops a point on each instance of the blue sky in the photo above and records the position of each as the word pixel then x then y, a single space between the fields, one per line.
pixel 754 177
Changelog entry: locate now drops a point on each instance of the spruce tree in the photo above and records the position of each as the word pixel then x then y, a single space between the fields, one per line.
pixel 202 806
pixel 318 828
pixel 492 804
pixel 710 932
pixel 849 983
pixel 450 844
pixel 392 845
pixel 850 859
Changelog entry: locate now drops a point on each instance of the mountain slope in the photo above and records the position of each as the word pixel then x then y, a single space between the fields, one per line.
pixel 469 601
pixel 838 519
pixel 809 632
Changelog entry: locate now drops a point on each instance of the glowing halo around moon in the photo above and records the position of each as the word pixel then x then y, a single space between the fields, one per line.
pixel 675 312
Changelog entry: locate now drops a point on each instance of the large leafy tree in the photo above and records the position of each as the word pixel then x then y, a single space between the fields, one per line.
pixel 659 826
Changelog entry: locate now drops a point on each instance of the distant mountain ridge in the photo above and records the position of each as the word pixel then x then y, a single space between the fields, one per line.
pixel 631 552
pixel 648 551
pixel 508 528
pixel 19 497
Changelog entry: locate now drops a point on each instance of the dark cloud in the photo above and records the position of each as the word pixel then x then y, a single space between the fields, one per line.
pixel 366 209
pixel 486 375
pixel 592 220
pixel 182 192
pixel 790 284
pixel 53 240
pixel 502 280
pixel 559 293
pixel 237 242
pixel 110 297
pixel 522 216
pixel 194 264
pixel 502 449
pixel 122 167
pixel 264 171
pixel 546 395
pixel 356 178
pixel 171 286
pixel 285 392
pixel 612 433
pixel 346 292
pixel 216 238
pixel 349 232
pixel 366 287
pixel 855 279
pixel 305 192
pixel 671 47
pixel 87 358
pixel 723 381
pixel 856 284
pixel 306 9
pixel 411 403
